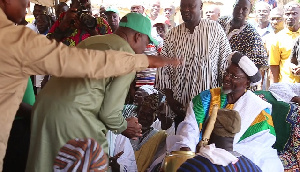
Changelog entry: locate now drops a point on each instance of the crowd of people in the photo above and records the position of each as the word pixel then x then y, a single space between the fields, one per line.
pixel 103 92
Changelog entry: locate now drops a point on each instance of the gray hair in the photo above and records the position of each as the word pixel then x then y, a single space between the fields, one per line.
pixel 291 4
pixel 263 3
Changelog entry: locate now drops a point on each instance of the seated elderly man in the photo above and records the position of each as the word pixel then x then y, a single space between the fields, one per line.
pixel 149 103
pixel 257 134
pixel 150 147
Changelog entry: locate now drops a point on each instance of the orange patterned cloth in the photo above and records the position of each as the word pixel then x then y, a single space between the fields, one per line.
pixel 81 155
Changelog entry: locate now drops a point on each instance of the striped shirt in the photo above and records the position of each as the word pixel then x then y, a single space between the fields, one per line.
pixel 199 163
pixel 204 56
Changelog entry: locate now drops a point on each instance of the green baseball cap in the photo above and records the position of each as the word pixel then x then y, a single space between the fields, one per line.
pixel 139 23
pixel 112 9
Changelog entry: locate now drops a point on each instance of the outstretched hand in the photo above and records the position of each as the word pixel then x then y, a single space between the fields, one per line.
pixel 296 99
pixel 160 61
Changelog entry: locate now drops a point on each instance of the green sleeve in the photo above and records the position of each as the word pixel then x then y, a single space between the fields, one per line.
pixel 29 96
pixel 111 111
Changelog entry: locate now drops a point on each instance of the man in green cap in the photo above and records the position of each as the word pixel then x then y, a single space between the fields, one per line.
pixel 113 18
pixel 86 108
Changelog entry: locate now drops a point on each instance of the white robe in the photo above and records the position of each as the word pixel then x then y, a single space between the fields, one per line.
pixel 285 91
pixel 157 125
pixel 118 143
pixel 258 147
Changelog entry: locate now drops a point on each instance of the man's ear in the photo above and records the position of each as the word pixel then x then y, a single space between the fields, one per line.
pixel 248 83
pixel 143 9
pixel 201 5
pixel 137 37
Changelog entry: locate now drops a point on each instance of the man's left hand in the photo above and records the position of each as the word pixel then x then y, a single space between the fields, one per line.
pixel 134 128
pixel 113 162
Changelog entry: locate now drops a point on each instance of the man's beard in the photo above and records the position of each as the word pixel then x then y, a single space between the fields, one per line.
pixel 226 91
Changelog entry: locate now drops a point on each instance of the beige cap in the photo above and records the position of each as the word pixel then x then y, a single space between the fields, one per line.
pixel 228 123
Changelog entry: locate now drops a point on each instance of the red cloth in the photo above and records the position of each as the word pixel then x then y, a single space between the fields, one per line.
pixel 80 35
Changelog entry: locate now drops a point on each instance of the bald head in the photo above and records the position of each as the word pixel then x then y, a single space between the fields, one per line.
pixel 137 7
pixel 15 12
pixel 241 11
pixel 291 4
pixel 213 12
pixel 155 9
pixel 191 11
pixel 169 11
pixel 276 19
pixel 262 11
pixel 276 12
pixel 292 15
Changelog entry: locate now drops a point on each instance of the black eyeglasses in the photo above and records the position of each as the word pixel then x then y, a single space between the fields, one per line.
pixel 232 76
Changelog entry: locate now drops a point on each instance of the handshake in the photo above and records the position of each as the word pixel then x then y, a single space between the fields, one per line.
pixel 295 69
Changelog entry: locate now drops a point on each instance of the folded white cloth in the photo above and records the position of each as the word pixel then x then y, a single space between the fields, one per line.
pixel 217 156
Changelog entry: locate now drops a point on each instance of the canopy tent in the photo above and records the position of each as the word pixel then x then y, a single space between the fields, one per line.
pixel 217 2
pixel 123 3
pixel 47 3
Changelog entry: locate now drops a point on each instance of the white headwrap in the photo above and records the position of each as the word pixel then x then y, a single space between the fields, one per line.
pixel 247 66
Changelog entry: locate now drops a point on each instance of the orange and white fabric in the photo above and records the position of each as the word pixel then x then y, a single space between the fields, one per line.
pixel 81 155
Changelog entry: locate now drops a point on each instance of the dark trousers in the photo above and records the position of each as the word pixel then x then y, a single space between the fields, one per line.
pixel 17 146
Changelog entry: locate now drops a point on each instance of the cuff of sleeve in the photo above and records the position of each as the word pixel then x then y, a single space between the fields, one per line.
pixel 273 63
pixel 141 62
pixel 122 128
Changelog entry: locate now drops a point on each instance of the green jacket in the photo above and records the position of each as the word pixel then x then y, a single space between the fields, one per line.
pixel 69 108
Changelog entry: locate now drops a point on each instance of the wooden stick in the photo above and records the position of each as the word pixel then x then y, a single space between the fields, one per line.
pixel 209 127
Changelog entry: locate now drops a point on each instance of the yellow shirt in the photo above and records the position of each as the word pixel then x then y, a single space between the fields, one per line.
pixel 280 52
pixel 24 53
